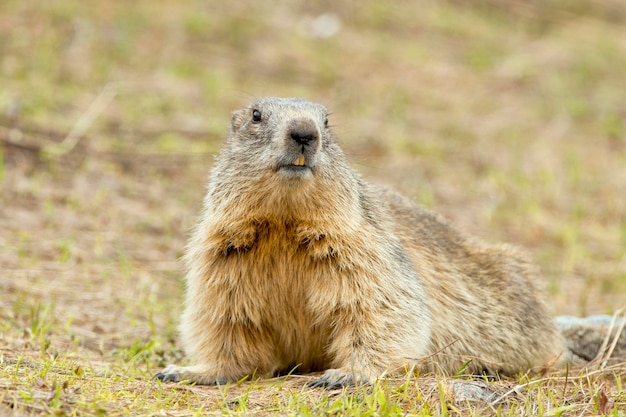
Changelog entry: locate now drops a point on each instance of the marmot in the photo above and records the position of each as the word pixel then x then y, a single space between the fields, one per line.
pixel 298 263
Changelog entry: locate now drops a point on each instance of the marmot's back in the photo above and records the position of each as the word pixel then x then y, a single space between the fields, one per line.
pixel 487 301
pixel 297 262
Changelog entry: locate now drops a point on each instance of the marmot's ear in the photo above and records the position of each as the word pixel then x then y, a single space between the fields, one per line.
pixel 237 119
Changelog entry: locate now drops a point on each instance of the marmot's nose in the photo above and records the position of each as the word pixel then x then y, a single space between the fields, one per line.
pixel 303 132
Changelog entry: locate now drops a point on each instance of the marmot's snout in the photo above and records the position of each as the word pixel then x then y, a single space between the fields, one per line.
pixel 303 131
pixel 302 139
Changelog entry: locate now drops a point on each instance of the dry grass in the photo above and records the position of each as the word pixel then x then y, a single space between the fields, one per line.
pixel 507 117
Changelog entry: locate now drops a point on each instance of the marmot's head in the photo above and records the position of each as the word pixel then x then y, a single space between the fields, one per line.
pixel 286 136
pixel 281 161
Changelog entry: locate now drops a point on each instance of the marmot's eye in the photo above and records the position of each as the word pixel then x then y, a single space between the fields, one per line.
pixel 256 116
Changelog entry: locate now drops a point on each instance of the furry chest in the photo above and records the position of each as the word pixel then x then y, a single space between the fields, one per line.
pixel 269 288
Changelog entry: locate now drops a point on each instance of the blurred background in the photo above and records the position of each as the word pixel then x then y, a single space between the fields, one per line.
pixel 508 117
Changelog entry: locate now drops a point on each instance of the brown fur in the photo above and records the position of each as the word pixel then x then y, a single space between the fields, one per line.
pixel 311 267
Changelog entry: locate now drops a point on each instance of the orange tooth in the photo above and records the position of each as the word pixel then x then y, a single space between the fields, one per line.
pixel 299 161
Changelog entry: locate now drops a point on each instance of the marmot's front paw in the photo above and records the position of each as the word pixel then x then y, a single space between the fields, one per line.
pixel 336 378
pixel 171 373
pixel 192 374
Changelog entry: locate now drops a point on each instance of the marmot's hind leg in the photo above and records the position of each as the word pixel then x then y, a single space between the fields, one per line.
pixel 584 337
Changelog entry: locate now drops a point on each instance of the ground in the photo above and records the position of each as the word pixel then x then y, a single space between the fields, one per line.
pixel 507 117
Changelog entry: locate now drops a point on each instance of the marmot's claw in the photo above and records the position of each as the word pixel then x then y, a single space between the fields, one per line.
pixel 327 384
pixel 170 374
pixel 333 379
pixel 166 377
pixel 189 374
